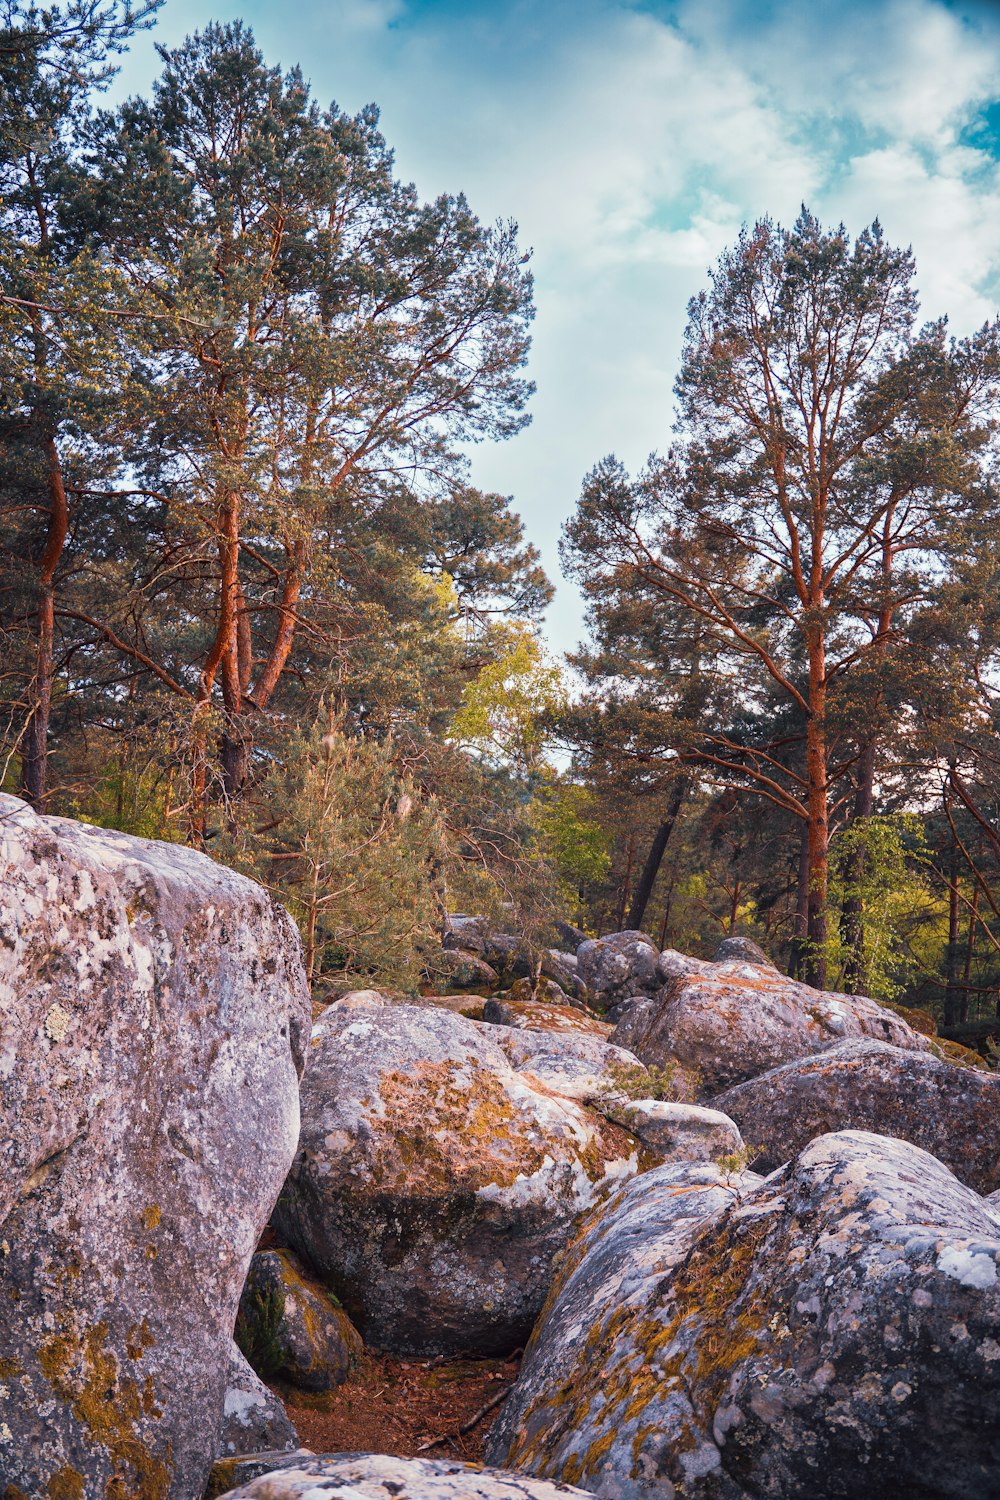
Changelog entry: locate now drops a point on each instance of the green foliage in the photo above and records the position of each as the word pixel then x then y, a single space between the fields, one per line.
pixel 882 862
pixel 354 849
pixel 631 1081
pixel 570 836
pixel 258 1329
pixel 506 713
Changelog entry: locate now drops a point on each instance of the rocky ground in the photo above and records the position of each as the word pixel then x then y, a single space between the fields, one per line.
pixel 388 1197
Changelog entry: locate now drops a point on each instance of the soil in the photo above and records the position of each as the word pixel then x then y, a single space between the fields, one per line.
pixel 400 1406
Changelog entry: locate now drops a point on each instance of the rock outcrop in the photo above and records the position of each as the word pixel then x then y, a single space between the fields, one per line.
pixel 543 1015
pixel 153 1012
pixel 289 1326
pixel 742 950
pixel 738 1020
pixel 252 1416
pixel 831 1331
pixel 433 1183
pixel 574 1064
pixel 954 1113
pixel 376 1476
pixel 617 968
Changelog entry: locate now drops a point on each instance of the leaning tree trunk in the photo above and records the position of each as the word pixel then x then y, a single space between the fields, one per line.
pixel 35 745
pixel 650 870
pixel 800 925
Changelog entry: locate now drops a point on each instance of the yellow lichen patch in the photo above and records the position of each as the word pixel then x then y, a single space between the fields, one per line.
pixel 84 1373
pixel 453 1124
pixel 151 1215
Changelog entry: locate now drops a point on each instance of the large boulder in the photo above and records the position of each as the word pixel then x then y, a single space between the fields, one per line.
pixel 954 1113
pixel 153 1011
pixel 289 1327
pixel 737 1020
pixel 833 1331
pixel 574 1064
pixel 463 971
pixel 741 950
pixel 252 1416
pixel 618 967
pixel 376 1476
pixel 543 1015
pixel 433 1183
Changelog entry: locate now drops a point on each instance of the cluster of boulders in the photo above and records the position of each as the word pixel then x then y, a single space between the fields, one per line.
pixel 563 1162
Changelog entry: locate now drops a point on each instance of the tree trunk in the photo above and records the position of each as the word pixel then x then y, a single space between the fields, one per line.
pixel 35 748
pixel 800 925
pixel 651 868
pixel 952 998
pixel 815 966
pixel 627 881
pixel 852 913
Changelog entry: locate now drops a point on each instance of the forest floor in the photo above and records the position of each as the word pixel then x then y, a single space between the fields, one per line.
pixel 400 1406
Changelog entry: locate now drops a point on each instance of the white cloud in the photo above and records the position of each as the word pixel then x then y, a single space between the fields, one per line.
pixel 631 143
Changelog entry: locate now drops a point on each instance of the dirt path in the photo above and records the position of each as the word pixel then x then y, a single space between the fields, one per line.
pixel 397 1405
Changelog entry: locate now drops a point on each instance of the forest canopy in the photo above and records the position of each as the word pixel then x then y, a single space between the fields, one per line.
pixel 251 600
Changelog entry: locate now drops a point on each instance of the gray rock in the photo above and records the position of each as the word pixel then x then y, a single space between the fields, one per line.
pixel 290 1328
pixel 596 1353
pixel 954 1113
pixel 568 1062
pixel 634 1020
pixel 739 1020
pixel 376 1476
pixel 153 1011
pixel 543 1014
pixel 571 936
pixel 229 1473
pixel 617 967
pixel 677 1131
pixel 363 1000
pixel 563 968
pixel 741 950
pixel 463 971
pixel 252 1416
pixel 465 933
pixel 833 1331
pixel 673 965
pixel 433 1184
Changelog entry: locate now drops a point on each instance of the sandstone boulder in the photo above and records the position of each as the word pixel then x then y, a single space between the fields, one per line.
pixel 543 1015
pixel 738 1020
pixel 571 1063
pixel 954 1113
pixel 252 1416
pixel 741 950
pixel 289 1327
pixel 433 1183
pixel 153 1012
pixel 229 1473
pixel 376 1476
pixel 676 1131
pixel 673 965
pixel 833 1331
pixel 465 933
pixel 618 967
pixel 463 971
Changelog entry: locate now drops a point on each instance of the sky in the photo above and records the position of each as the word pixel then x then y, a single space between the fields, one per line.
pixel 630 141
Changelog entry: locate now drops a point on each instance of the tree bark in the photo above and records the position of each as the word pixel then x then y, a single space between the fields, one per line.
pixel 800 925
pixel 35 746
pixel 852 912
pixel 952 998
pixel 819 834
pixel 650 870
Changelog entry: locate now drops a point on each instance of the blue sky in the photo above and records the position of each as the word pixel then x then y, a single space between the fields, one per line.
pixel 630 141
